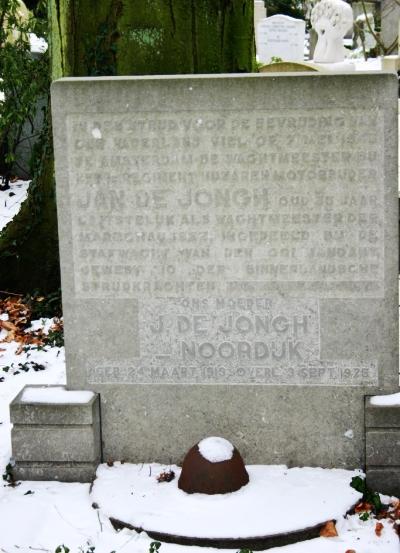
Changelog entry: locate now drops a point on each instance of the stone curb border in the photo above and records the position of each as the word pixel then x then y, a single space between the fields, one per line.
pixel 254 543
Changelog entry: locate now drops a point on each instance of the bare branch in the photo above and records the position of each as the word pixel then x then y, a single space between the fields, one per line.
pixel 376 37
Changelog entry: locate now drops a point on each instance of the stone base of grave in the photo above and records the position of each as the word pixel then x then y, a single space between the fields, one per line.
pixel 55 441
pixel 382 427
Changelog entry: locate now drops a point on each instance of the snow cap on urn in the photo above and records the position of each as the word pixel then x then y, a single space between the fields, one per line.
pixel 331 19
pixel 213 466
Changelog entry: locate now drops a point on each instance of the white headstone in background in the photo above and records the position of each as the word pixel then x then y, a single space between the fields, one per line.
pixel 282 37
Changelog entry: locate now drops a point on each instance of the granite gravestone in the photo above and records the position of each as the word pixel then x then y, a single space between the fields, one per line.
pixel 280 36
pixel 229 259
pixel 260 13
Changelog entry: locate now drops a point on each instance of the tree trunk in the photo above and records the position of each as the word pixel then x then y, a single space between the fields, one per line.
pixel 119 37
pixel 142 37
pixel 29 243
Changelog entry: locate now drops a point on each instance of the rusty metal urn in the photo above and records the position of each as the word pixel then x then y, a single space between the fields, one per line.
pixel 213 466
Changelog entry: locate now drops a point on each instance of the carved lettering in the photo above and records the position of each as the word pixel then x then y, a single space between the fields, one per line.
pixel 253 202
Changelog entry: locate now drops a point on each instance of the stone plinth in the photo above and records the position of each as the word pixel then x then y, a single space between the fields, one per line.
pixel 55 441
pixel 383 447
pixel 229 259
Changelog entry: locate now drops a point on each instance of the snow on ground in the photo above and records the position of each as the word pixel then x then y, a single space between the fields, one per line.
pixel 42 515
pixel 11 200
pixel 39 516
pixel 371 64
pixel 132 494
pixel 19 370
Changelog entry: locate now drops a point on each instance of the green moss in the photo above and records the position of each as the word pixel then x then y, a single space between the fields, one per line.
pixel 122 37
pixel 152 37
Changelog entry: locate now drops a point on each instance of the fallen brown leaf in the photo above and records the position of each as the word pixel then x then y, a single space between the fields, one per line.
pixel 166 476
pixel 362 507
pixel 20 349
pixel 378 529
pixel 7 325
pixel 19 315
pixel 328 530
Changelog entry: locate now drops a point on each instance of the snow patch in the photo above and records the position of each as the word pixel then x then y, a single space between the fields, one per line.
pixel 11 201
pixel 38 45
pixel 391 400
pixel 216 449
pixel 53 359
pixel 44 324
pixel 371 64
pixel 54 513
pixel 55 394
pixel 96 133
pixel 132 494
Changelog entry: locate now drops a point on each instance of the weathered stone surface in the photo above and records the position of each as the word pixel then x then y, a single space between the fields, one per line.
pixel 56 441
pixel 385 480
pixel 53 443
pixel 383 447
pixel 229 259
pixel 52 414
pixel 381 416
pixel 73 472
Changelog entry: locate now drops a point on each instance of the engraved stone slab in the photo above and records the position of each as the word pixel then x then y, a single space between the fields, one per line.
pixel 251 202
pixel 233 341
pixel 229 259
pixel 281 36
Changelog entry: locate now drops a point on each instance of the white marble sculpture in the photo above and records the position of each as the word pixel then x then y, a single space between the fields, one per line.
pixel 331 19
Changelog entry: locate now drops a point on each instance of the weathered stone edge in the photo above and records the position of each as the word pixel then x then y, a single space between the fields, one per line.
pixel 53 413
pixel 62 472
pixel 381 416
